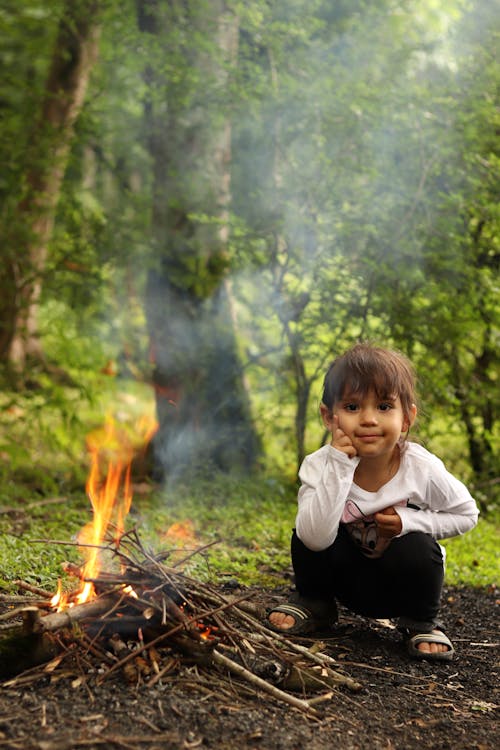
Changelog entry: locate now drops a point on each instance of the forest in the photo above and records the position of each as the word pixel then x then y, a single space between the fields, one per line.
pixel 216 199
pixel 202 204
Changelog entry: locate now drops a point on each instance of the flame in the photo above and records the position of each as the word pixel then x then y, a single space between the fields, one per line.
pixel 181 531
pixel 60 599
pixel 109 490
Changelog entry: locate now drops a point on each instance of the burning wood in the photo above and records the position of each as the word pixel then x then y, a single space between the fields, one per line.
pixel 154 618
pixel 146 618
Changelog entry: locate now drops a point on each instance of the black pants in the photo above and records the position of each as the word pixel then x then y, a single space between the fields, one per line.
pixel 406 582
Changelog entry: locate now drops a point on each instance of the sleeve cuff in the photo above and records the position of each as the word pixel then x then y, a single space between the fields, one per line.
pixel 406 515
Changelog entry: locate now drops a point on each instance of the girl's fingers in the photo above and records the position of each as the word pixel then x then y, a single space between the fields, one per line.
pixel 340 440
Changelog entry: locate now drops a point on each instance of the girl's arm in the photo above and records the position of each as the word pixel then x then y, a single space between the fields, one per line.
pixel 326 477
pixel 449 510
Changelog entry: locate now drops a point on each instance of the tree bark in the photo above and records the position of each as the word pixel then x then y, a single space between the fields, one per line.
pixel 202 405
pixel 30 224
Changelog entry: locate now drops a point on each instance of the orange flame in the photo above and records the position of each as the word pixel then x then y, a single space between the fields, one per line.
pixel 109 495
pixel 181 532
pixel 58 598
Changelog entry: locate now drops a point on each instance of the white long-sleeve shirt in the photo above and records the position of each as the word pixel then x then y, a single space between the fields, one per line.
pixel 427 496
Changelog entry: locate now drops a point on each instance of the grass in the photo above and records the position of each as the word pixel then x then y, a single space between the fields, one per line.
pixel 244 521
pixel 473 559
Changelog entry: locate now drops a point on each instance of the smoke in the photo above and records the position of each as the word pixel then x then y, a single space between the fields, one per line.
pixel 344 135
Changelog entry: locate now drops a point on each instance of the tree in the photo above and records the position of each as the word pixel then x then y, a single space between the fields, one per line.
pixel 434 256
pixel 307 149
pixel 202 404
pixel 29 222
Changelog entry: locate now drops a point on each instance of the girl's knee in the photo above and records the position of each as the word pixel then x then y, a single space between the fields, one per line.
pixel 416 553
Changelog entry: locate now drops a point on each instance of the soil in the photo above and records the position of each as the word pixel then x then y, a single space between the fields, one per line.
pixel 403 705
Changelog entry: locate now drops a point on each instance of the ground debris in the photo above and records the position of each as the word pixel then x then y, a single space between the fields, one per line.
pixel 82 698
pixel 148 618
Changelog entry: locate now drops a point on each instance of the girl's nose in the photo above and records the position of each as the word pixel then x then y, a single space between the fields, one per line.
pixel 369 416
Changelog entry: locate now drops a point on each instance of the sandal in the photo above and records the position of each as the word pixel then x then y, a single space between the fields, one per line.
pixel 309 618
pixel 436 636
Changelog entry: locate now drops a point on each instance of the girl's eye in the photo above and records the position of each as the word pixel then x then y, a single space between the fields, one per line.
pixel 385 407
pixel 350 407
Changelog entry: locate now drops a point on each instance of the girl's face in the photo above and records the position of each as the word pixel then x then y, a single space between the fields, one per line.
pixel 373 425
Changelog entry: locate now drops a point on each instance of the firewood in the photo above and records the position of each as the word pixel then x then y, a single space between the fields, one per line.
pixel 166 613
pixel 240 671
pixel 33 589
pixel 59 620
pixel 121 650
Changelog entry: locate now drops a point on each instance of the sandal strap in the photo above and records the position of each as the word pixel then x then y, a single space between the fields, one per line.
pixel 438 637
pixel 432 637
pixel 296 611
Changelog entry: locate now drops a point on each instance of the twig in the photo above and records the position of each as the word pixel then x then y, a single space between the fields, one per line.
pixel 387 670
pixel 33 589
pixel 14 613
pixel 168 667
pixel 323 659
pixel 68 543
pixel 200 616
pixel 197 551
pixel 240 671
pixel 31 506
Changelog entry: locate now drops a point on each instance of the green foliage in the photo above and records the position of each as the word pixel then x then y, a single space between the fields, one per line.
pixel 43 430
pixel 364 204
pixel 28 550
pixel 473 559
pixel 27 30
pixel 248 519
pixel 240 528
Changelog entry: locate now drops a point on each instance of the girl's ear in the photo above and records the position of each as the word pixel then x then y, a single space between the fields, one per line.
pixel 327 416
pixel 408 421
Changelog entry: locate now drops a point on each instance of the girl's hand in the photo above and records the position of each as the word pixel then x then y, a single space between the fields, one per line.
pixel 340 440
pixel 388 522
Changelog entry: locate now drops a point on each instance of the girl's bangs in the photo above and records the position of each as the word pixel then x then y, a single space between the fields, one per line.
pixel 385 384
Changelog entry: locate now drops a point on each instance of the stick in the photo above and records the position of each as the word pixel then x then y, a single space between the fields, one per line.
pixel 64 619
pixel 322 660
pixel 240 671
pixel 13 613
pixel 199 617
pixel 197 551
pixel 37 504
pixel 33 589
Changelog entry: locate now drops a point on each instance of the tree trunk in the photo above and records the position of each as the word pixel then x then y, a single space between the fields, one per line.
pixel 203 409
pixel 482 457
pixel 30 224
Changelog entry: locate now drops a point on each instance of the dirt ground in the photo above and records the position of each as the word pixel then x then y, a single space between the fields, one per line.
pixel 403 704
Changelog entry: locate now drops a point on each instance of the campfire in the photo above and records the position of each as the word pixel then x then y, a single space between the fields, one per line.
pixel 145 618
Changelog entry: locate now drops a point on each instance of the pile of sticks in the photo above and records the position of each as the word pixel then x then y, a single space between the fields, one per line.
pixel 150 618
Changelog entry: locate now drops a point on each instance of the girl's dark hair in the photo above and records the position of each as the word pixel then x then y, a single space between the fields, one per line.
pixel 365 367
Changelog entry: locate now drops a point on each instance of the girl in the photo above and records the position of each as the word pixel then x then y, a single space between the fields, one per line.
pixel 370 508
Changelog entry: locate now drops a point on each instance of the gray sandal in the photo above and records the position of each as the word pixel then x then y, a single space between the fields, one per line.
pixel 414 639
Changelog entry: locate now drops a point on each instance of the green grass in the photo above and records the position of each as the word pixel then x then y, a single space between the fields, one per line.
pixel 23 523
pixel 245 521
pixel 473 559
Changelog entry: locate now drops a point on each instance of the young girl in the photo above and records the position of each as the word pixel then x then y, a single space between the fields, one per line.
pixel 370 508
